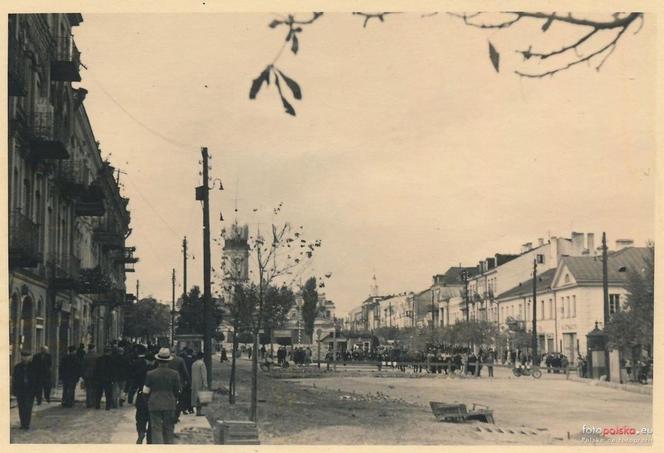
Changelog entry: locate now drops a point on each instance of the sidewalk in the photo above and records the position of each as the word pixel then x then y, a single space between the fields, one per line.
pixel 631 387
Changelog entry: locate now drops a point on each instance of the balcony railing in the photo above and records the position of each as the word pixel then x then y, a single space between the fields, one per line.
pixel 16 68
pixel 108 238
pixel 93 281
pixel 48 137
pixel 72 178
pixel 67 271
pixel 65 67
pixel 23 241
pixel 127 256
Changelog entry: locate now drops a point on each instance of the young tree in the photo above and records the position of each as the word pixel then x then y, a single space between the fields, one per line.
pixel 146 319
pixel 310 306
pixel 631 329
pixel 191 317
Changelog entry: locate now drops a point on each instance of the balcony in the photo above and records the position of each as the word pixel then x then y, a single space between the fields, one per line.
pixel 108 238
pixel 93 281
pixel 90 202
pixel 67 271
pixel 48 139
pixel 65 67
pixel 72 178
pixel 23 241
pixel 16 69
pixel 128 259
pixel 111 298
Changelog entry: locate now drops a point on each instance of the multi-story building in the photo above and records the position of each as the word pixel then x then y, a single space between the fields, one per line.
pixel 68 221
pixel 570 298
pixel 502 272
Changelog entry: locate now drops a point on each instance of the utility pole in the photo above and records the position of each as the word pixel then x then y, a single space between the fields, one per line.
pixel 433 310
pixel 138 284
pixel 605 288
pixel 464 278
pixel 534 339
pixel 203 194
pixel 605 280
pixel 184 266
pixel 173 310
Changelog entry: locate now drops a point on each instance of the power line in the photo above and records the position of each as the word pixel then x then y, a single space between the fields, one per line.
pixel 138 121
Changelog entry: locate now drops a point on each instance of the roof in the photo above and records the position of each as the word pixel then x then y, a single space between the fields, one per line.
pixel 453 275
pixel 525 288
pixel 588 269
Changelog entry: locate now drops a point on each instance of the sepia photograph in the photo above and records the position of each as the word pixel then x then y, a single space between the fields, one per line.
pixel 330 228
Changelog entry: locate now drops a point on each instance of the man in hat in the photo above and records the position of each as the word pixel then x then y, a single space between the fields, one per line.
pixel 70 371
pixel 162 386
pixel 141 365
pixel 24 387
pixel 178 364
pixel 43 364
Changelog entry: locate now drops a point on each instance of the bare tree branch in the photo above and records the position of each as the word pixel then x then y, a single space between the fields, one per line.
pixel 369 16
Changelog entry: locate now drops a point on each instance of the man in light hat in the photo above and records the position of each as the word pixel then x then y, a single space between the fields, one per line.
pixel 24 387
pixel 162 386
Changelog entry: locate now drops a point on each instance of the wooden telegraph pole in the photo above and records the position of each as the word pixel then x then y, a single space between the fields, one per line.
pixel 173 309
pixel 184 266
pixel 203 194
pixel 534 339
pixel 605 291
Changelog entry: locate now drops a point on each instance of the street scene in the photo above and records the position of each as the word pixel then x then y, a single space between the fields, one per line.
pixel 331 228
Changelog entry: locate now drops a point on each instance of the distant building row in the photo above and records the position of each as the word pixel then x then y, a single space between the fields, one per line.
pixel 500 289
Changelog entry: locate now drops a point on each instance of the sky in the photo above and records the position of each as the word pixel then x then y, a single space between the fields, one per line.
pixel 409 152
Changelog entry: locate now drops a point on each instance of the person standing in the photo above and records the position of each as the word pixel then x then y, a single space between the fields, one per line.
pixel 143 363
pixel 178 365
pixel 70 372
pixel 104 375
pixel 43 364
pixel 490 360
pixel 89 381
pixel 198 381
pixel 24 387
pixel 162 386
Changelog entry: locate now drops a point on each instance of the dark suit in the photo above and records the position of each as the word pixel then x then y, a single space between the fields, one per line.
pixel 104 375
pixel 24 387
pixel 42 364
pixel 70 371
pixel 91 385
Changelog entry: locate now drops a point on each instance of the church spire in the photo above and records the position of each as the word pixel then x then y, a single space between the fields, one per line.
pixel 374 286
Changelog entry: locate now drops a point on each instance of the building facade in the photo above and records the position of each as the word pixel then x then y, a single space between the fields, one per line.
pixel 68 221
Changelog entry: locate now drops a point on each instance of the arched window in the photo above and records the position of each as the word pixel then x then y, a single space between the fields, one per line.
pixel 27 329
pixel 566 280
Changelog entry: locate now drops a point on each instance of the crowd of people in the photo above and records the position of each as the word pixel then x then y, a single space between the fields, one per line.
pixel 160 384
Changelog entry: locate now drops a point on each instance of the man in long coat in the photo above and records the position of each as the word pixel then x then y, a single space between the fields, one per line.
pixel 43 363
pixel 162 387
pixel 24 386
pixel 91 385
pixel 70 372
pixel 198 381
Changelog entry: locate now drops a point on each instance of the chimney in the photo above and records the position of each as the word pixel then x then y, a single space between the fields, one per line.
pixel 590 245
pixel 526 247
pixel 577 242
pixel 623 243
pixel 491 263
pixel 540 242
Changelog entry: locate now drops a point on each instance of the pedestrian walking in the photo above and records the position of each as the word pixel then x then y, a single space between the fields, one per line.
pixel 43 364
pixel 143 363
pixel 198 381
pixel 178 365
pixel 162 386
pixel 24 386
pixel 70 372
pixel 185 402
pixel 104 375
pixel 224 356
pixel 89 381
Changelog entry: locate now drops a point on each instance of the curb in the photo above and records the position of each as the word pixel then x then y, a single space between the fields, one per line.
pixel 643 389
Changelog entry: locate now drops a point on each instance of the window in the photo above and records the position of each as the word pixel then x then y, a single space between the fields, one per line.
pixel 550 308
pixel 542 311
pixel 562 307
pixel 566 279
pixel 573 308
pixel 567 308
pixel 614 303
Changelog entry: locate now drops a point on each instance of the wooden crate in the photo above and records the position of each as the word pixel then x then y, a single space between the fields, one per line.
pixel 235 432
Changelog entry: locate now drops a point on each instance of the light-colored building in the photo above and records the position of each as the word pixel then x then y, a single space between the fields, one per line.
pixel 502 272
pixel 570 298
pixel 68 221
